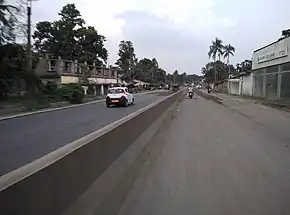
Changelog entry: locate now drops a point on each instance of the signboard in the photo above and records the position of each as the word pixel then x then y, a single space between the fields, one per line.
pixel 276 53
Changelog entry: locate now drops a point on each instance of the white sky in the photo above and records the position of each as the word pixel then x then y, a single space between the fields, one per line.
pixel 178 33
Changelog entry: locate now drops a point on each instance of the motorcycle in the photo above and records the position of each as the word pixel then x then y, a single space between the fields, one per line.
pixel 209 90
pixel 190 95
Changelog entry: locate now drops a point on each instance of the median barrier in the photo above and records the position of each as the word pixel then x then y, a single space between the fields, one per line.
pixel 51 184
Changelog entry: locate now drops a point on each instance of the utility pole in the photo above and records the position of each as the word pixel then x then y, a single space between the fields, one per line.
pixel 29 55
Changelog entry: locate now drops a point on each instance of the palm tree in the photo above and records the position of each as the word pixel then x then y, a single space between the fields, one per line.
pixel 4 8
pixel 216 49
pixel 229 50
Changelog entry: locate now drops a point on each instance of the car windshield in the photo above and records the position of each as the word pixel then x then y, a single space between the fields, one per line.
pixel 115 91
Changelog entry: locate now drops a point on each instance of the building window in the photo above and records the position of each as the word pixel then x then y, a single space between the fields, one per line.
pixel 285 87
pixel 271 86
pixel 285 67
pixel 272 69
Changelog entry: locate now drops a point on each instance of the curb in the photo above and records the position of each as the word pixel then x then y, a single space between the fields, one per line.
pixel 59 108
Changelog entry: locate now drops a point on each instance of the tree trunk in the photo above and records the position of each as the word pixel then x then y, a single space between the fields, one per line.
pixel 228 63
pixel 214 61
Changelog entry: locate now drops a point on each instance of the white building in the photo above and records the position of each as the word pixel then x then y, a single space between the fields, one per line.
pixel 271 71
pixel 241 84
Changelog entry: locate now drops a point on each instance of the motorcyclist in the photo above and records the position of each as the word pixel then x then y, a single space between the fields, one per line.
pixel 209 89
pixel 190 90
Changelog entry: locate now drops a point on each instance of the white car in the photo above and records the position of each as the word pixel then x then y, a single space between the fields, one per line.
pixel 119 96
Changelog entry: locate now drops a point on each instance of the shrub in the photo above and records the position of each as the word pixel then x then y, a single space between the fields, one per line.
pixel 73 93
pixel 49 92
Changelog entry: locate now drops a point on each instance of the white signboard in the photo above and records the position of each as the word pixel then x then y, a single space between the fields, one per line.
pixel 276 53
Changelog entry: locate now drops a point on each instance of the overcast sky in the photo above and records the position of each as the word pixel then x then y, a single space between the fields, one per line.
pixel 178 33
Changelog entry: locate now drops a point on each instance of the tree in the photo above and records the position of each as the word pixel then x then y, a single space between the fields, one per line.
pixel 285 33
pixel 229 50
pixel 154 69
pixel 127 58
pixel 161 75
pixel 4 9
pixel 69 39
pixel 244 66
pixel 91 46
pixel 59 37
pixel 12 75
pixel 7 21
pixel 150 70
pixel 175 76
pixel 215 71
pixel 216 49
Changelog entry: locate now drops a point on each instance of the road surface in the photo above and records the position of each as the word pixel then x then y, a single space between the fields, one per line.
pixel 217 160
pixel 25 139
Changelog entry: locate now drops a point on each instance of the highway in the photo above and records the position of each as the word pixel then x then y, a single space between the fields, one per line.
pixel 25 139
pixel 216 159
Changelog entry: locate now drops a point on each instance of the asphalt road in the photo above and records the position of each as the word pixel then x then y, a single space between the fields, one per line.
pixel 216 160
pixel 25 139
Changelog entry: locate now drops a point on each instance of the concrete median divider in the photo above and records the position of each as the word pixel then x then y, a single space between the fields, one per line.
pixel 51 184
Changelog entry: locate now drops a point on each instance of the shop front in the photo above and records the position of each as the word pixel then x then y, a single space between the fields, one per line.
pixel 271 71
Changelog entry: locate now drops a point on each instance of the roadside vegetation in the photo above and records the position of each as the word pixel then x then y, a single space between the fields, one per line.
pixel 220 67
pixel 70 38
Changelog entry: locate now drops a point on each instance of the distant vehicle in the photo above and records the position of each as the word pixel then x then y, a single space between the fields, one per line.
pixel 119 96
pixel 198 86
pixel 175 87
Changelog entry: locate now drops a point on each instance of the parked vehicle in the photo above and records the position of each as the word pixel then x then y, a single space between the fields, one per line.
pixel 119 96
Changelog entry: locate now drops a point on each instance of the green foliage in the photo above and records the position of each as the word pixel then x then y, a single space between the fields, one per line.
pixel 127 59
pixel 12 73
pixel 218 69
pixel 285 33
pixel 74 93
pixel 7 22
pixel 149 71
pixel 68 38
pixel 244 66
pixel 228 50
pixel 50 92
pixel 216 49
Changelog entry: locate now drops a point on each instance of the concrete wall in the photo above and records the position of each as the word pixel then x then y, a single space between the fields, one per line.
pixel 73 79
pixel 69 79
pixel 277 53
pixel 50 185
pixel 247 85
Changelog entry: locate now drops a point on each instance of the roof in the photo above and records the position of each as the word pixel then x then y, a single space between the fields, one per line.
pixel 140 82
pixel 283 38
pixel 118 88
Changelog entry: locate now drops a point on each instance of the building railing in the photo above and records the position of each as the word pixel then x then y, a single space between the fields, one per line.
pixel 74 68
